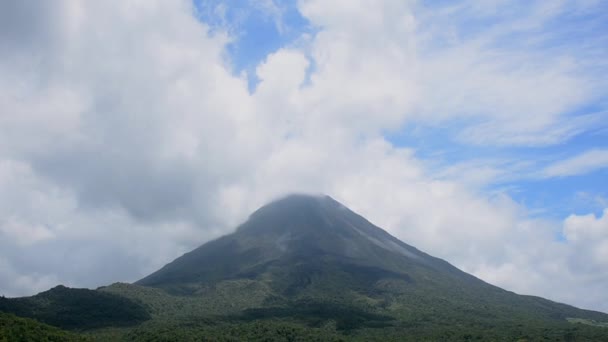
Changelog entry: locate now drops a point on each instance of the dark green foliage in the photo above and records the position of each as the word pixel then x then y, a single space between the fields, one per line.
pixel 16 329
pixel 77 309
pixel 315 314
pixel 293 329
pixel 259 331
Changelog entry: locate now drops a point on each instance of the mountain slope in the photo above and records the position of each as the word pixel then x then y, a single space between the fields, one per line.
pixel 76 309
pixel 13 328
pixel 298 229
pixel 304 251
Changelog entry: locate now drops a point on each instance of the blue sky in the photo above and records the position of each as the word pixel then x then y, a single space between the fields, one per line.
pixel 258 28
pixel 262 28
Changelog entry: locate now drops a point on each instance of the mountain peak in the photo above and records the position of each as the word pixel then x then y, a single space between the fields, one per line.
pixel 297 202
pixel 290 209
pixel 298 228
pixel 300 197
pixel 314 218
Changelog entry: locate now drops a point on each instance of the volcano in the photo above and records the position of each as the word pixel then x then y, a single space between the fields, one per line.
pixel 306 268
pixel 303 242
pixel 312 253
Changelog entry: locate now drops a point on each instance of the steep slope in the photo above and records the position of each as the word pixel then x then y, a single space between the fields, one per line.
pixel 304 251
pixel 294 230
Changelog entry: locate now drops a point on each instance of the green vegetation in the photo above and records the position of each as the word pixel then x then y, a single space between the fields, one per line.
pixel 588 322
pixel 402 318
pixel 76 309
pixel 387 313
pixel 16 329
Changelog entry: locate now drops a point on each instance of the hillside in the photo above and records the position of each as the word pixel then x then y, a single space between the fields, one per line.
pixel 306 268
pixel 13 329
pixel 76 309
pixel 311 258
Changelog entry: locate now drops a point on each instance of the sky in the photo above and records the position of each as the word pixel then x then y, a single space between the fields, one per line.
pixel 134 131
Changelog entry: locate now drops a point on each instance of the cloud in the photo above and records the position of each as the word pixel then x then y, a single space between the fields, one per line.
pixel 590 236
pixel 126 140
pixel 583 163
pixel 111 138
pixel 15 281
pixel 503 70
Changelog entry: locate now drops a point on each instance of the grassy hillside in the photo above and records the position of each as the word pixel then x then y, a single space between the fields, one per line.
pixel 246 310
pixel 76 309
pixel 17 329
pixel 221 315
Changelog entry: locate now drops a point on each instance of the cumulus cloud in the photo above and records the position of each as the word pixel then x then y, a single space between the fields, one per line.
pixel 589 235
pixel 126 140
pixel 113 134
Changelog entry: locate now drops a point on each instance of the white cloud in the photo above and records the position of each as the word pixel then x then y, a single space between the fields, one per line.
pixel 23 233
pixel 590 236
pixel 583 163
pixel 499 77
pixel 15 281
